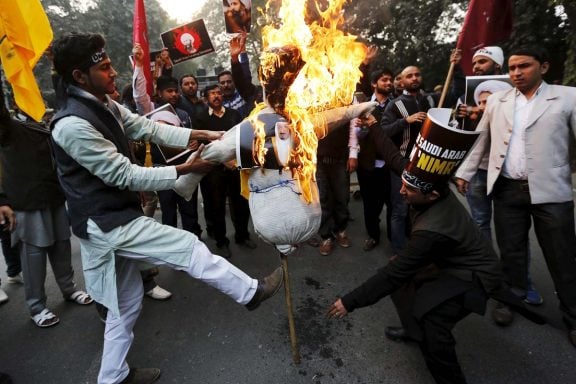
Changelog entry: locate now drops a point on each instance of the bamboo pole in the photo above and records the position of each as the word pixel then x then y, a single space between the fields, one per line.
pixel 291 324
pixel 446 85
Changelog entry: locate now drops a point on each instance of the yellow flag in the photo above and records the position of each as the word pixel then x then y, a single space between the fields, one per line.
pixel 25 33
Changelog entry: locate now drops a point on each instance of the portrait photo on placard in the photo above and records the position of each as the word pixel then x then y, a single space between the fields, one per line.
pixel 478 88
pixel 237 15
pixel 187 41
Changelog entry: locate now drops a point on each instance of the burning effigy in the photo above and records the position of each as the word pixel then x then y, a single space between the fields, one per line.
pixel 309 71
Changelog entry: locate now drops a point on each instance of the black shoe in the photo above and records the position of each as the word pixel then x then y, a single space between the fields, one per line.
pixel 397 334
pixel 141 376
pixel 502 315
pixel 5 378
pixel 571 324
pixel 266 288
pixel 370 244
pixel 102 312
pixel 224 251
pixel 314 242
pixel 248 243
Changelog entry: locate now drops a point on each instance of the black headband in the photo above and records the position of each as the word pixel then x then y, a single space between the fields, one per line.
pixel 94 58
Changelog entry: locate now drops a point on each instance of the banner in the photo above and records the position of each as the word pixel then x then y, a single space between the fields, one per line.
pixel 25 34
pixel 140 36
pixel 438 151
pixel 487 22
pixel 187 41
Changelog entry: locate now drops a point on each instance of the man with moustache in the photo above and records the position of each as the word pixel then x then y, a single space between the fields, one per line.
pixel 189 100
pixel 167 91
pixel 96 170
pixel 373 174
pixel 402 121
pixel 527 132
pixel 223 181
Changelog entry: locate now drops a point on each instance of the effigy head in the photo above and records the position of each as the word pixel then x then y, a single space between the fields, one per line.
pixel 279 67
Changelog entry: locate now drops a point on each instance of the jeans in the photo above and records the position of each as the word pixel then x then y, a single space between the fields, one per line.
pixel 554 228
pixel 11 255
pixel 480 203
pixel 399 214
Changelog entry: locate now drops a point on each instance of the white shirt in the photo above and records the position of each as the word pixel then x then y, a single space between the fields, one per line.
pixel 515 161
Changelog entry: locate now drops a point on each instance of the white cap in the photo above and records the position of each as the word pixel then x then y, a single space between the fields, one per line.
pixel 494 53
pixel 491 86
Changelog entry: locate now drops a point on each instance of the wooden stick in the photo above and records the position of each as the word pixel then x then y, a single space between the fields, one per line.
pixel 446 85
pixel 291 324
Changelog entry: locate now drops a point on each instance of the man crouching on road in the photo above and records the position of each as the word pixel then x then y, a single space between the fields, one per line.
pixel 99 179
pixel 447 270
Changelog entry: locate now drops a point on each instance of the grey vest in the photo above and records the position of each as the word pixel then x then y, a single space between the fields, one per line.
pixel 88 196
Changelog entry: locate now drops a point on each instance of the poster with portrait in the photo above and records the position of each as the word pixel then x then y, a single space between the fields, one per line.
pixel 237 15
pixel 477 89
pixel 187 41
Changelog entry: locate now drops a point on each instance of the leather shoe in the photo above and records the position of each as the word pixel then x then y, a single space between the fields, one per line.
pixel 502 315
pixel 370 244
pixel 247 243
pixel 397 334
pixel 224 251
pixel 141 376
pixel 266 288
pixel 571 324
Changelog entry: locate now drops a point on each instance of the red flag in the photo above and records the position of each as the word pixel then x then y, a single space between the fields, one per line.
pixel 140 36
pixel 487 22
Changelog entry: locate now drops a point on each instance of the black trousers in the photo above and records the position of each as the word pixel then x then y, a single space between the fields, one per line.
pixel 433 328
pixel 438 344
pixel 375 191
pixel 171 203
pixel 216 186
pixel 555 230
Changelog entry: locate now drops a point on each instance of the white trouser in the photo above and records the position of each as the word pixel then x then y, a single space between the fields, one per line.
pixel 138 240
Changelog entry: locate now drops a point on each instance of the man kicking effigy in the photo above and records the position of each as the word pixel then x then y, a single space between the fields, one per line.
pixel 448 269
pixel 99 178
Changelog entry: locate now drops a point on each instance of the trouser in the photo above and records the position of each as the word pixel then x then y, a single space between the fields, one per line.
pixel 214 190
pixel 239 208
pixel 11 255
pixel 171 203
pixel 145 240
pixel 399 219
pixel 480 203
pixel 334 189
pixel 438 344
pixel 555 231
pixel 33 260
pixel 375 191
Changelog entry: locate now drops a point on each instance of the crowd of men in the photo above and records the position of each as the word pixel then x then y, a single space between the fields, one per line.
pixel 89 175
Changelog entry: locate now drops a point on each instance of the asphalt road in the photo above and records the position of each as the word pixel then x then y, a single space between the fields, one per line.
pixel 201 336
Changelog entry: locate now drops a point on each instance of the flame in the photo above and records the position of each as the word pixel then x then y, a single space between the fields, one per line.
pixel 327 80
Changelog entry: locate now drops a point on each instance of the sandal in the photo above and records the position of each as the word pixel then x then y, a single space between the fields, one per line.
pixel 45 319
pixel 80 297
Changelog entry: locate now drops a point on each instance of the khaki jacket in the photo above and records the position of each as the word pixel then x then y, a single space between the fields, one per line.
pixel 547 142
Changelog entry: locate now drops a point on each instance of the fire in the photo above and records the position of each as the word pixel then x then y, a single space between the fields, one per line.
pixel 327 80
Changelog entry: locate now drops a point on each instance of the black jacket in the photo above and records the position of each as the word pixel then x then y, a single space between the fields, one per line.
pixel 29 178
